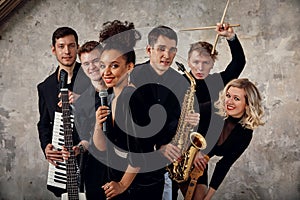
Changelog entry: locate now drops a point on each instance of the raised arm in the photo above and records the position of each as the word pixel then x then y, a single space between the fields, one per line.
pixel 238 61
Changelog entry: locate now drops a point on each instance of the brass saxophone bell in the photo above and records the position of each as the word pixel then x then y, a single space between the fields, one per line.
pixel 198 140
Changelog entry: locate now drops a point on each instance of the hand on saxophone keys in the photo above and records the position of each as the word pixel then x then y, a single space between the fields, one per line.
pixel 200 161
pixel 171 152
pixel 192 118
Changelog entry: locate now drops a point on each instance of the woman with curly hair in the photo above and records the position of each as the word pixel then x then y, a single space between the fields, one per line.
pixel 240 103
pixel 116 62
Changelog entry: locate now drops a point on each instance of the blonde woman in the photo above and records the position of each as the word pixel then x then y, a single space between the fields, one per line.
pixel 240 104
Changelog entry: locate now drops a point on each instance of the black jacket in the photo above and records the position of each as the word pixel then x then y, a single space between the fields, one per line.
pixel 48 92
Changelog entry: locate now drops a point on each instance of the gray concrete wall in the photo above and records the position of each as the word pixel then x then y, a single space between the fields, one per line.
pixel 269 33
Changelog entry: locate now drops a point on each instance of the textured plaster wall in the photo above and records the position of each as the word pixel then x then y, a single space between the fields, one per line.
pixel 269 33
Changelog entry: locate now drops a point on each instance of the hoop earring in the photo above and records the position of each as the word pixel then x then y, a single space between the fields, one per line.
pixel 128 77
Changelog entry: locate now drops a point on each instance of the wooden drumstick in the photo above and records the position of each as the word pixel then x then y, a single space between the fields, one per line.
pixel 222 21
pixel 207 27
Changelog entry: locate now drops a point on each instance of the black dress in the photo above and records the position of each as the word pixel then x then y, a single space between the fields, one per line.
pixel 127 144
pixel 235 141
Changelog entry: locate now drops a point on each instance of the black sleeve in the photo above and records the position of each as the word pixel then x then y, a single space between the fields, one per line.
pixel 238 61
pixel 138 76
pixel 85 115
pixel 231 155
pixel 80 82
pixel 83 125
pixel 175 105
pixel 44 125
pixel 169 130
pixel 205 117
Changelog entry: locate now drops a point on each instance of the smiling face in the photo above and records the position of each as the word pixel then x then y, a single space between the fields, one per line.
pixel 113 67
pixel 90 62
pixel 235 102
pixel 162 54
pixel 65 50
pixel 200 64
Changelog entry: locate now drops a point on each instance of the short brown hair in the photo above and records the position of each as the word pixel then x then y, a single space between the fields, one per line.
pixel 203 48
pixel 161 31
pixel 89 46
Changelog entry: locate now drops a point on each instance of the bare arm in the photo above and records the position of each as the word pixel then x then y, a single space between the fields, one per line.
pixel 210 193
pixel 98 136
pixel 113 188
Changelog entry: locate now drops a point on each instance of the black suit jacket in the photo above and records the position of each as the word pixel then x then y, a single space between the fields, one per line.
pixel 48 92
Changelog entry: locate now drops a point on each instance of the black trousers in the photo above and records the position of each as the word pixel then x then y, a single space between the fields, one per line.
pixel 151 192
pixel 95 176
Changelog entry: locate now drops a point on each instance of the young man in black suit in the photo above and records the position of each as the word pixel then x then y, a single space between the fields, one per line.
pixel 64 47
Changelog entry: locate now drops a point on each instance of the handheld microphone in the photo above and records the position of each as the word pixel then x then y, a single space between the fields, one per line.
pixel 103 97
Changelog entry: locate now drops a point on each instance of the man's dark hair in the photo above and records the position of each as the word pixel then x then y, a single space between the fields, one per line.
pixel 161 30
pixel 62 32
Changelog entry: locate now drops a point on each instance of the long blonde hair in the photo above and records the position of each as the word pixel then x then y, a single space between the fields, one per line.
pixel 254 111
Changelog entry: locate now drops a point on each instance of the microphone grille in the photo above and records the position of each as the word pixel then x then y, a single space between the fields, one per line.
pixel 103 93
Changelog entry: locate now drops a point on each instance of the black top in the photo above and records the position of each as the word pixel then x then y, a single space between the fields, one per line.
pixel 231 149
pixel 120 138
pixel 48 92
pixel 85 109
pixel 85 112
pixel 167 91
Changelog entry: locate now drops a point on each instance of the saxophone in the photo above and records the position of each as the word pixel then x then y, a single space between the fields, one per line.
pixel 185 139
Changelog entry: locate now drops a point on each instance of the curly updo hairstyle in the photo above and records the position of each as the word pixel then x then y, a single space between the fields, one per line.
pixel 121 36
